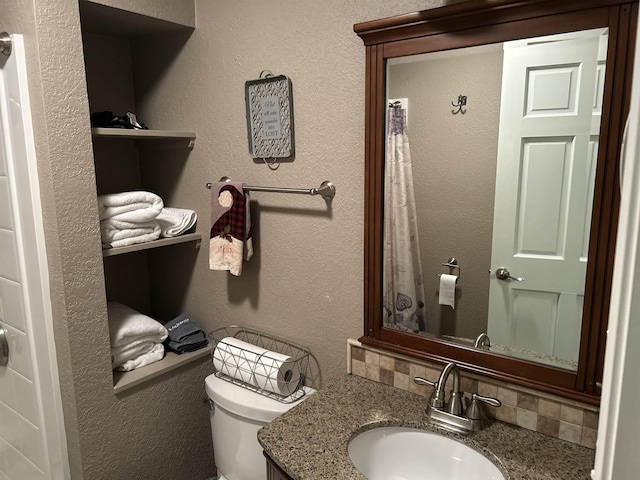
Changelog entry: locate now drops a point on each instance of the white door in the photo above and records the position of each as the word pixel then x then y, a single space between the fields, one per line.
pixel 32 440
pixel 549 126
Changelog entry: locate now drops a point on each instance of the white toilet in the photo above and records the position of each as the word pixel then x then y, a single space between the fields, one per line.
pixel 236 417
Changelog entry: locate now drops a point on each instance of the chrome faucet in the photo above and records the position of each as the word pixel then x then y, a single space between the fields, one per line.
pixel 450 414
pixel 438 396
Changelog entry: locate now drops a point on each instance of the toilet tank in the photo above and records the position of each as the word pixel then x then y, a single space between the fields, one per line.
pixel 236 417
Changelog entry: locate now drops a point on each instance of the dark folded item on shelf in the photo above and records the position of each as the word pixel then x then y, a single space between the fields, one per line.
pixel 181 327
pixel 181 348
pixel 185 335
pixel 107 119
pixel 197 337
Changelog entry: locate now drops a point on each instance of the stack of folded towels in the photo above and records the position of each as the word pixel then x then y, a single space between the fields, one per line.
pixel 128 218
pixel 185 335
pixel 136 339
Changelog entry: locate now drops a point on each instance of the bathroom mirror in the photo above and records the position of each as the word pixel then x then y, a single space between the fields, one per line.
pixel 522 177
pixel 492 194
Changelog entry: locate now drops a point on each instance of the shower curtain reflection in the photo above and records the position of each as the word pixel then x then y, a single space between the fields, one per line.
pixel 403 291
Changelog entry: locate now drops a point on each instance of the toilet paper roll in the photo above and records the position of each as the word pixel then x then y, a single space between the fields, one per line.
pixel 277 373
pixel 264 369
pixel 234 358
pixel 448 290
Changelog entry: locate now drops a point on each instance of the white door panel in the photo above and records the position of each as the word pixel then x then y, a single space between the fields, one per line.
pixel 534 314
pixel 549 125
pixel 32 440
pixel 541 217
pixel 552 90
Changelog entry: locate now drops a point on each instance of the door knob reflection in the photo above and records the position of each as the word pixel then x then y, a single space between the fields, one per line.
pixel 503 274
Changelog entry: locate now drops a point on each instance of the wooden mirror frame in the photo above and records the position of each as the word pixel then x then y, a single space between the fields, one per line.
pixel 480 22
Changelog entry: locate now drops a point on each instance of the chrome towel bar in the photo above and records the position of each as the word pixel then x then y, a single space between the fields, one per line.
pixel 326 189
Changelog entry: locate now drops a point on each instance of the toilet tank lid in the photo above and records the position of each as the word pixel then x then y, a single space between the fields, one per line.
pixel 246 403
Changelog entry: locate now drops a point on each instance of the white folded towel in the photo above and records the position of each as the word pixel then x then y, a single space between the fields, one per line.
pixel 154 355
pixel 127 326
pixel 115 224
pixel 176 221
pixel 113 236
pixel 135 207
pixel 121 355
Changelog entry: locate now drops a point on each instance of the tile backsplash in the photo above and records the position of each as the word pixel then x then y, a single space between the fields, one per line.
pixel 548 414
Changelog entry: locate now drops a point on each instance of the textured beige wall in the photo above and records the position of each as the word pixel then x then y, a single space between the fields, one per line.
pixel 305 281
pixel 454 164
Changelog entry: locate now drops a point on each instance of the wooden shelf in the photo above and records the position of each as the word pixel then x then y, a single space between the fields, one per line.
pixel 130 134
pixel 125 380
pixel 163 242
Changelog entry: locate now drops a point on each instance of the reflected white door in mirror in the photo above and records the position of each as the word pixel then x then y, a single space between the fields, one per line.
pixel 547 154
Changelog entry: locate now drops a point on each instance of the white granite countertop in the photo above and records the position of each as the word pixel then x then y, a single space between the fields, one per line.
pixel 309 442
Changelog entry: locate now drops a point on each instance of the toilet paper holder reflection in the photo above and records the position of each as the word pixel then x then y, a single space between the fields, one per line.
pixel 452 264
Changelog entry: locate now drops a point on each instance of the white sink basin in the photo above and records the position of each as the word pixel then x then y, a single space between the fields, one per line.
pixel 399 453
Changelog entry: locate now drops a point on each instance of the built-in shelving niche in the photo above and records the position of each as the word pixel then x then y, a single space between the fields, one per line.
pixel 114 40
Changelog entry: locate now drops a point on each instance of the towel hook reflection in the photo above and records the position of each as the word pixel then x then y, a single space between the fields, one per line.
pixel 462 101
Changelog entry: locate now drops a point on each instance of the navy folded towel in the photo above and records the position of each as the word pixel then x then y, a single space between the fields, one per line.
pixel 185 335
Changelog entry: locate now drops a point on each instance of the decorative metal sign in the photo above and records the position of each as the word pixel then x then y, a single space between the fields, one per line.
pixel 269 117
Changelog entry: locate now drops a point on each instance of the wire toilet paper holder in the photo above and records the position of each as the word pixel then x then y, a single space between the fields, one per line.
pixel 452 264
pixel 245 364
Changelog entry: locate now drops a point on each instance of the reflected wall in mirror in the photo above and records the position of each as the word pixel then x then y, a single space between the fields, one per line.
pixel 505 182
pixel 519 185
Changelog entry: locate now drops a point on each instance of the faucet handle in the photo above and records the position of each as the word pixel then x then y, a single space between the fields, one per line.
pixel 424 381
pixel 474 412
pixel 436 399
pixel 494 402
